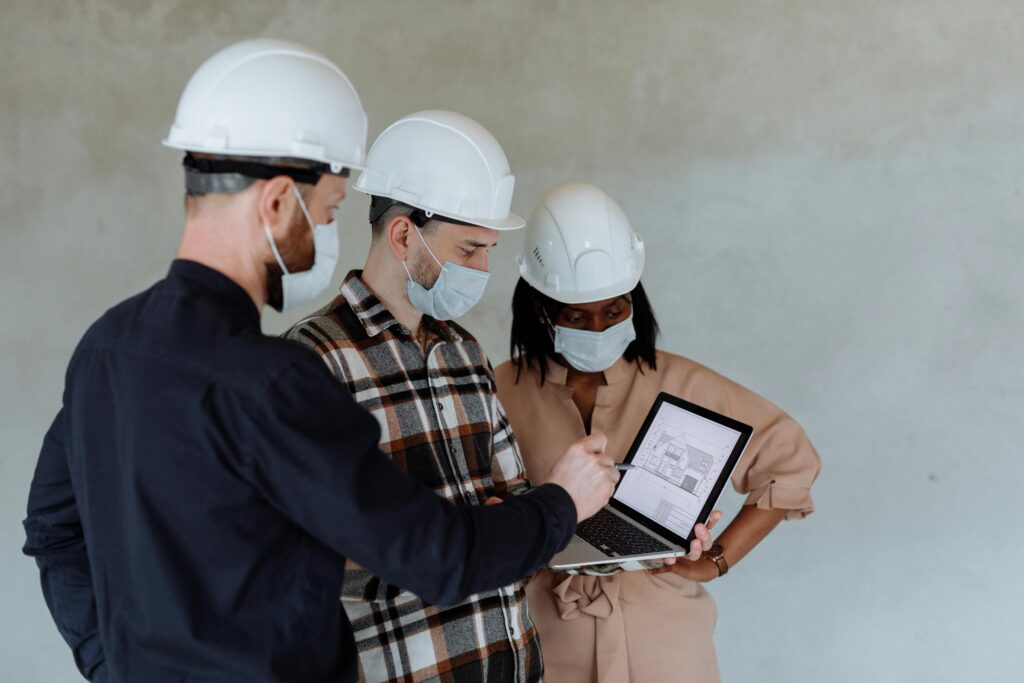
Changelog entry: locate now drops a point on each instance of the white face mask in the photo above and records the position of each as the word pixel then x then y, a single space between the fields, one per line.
pixel 456 290
pixel 594 351
pixel 300 288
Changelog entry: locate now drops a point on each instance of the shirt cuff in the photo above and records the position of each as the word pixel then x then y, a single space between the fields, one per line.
pixel 560 513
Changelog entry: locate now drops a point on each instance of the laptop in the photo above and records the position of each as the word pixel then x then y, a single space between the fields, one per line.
pixel 681 460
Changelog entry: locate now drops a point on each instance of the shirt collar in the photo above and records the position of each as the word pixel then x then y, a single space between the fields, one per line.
pixel 220 285
pixel 620 370
pixel 375 316
pixel 371 312
pixel 555 373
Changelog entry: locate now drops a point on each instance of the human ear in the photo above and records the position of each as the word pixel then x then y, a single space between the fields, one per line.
pixel 397 233
pixel 276 204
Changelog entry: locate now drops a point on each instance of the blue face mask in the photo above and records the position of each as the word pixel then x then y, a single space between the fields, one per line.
pixel 594 351
pixel 300 288
pixel 456 290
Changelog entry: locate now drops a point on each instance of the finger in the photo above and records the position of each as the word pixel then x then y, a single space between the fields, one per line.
pixel 696 548
pixel 669 561
pixel 597 441
pixel 493 500
pixel 713 518
pixel 703 534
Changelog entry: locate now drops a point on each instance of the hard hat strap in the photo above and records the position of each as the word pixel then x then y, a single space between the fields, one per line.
pixel 379 205
pixel 421 217
pixel 233 175
pixel 198 183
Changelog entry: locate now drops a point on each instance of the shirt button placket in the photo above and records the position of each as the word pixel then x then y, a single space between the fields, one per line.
pixel 438 385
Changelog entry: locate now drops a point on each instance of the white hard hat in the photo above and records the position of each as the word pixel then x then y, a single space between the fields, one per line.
pixel 271 98
pixel 443 163
pixel 580 247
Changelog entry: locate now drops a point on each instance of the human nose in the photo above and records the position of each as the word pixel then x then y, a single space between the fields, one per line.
pixel 480 261
pixel 325 214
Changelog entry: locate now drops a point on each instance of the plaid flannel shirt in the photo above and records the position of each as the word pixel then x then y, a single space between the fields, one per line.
pixel 442 423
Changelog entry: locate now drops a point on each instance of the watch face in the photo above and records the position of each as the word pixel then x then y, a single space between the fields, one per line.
pixel 715 551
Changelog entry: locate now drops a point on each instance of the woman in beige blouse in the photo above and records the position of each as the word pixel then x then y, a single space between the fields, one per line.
pixel 581 271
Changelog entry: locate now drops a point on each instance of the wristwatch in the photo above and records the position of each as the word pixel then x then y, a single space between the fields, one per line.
pixel 716 553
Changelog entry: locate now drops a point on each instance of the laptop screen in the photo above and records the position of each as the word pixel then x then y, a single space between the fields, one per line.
pixel 679 464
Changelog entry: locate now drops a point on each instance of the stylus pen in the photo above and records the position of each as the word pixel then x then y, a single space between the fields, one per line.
pixel 624 466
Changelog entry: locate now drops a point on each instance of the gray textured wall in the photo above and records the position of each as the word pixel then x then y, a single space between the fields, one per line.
pixel 830 192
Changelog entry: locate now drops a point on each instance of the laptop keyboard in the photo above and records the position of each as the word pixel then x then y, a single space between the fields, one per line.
pixel 616 536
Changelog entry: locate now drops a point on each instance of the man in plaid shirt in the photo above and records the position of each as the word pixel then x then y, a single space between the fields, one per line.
pixel 441 191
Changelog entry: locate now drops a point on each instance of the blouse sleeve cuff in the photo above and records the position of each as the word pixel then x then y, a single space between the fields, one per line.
pixel 795 501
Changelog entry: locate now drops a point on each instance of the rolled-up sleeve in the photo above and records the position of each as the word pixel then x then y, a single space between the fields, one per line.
pixel 780 464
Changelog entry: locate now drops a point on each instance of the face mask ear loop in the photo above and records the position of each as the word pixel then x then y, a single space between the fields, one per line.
pixel 407 273
pixel 273 248
pixel 429 251
pixel 548 324
pixel 302 205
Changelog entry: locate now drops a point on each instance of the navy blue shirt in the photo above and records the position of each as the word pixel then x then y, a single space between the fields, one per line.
pixel 199 490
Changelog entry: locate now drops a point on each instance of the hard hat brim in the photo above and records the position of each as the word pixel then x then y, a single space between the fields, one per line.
pixel 572 297
pixel 185 147
pixel 510 222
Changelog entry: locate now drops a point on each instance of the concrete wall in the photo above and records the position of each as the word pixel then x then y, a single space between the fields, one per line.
pixel 830 192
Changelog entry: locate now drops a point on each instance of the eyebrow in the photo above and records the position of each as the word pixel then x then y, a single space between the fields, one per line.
pixel 477 245
pixel 618 300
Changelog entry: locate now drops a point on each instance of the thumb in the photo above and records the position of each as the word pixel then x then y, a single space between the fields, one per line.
pixel 597 441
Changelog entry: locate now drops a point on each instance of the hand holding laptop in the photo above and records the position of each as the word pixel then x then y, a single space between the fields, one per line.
pixel 680 461
pixel 587 474
pixel 697 546
pixel 701 542
pixel 689 569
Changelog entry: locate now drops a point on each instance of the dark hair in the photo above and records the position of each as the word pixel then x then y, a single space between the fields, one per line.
pixel 531 336
pixel 384 210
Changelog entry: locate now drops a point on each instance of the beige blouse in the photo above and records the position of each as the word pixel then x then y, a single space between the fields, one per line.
pixel 635 626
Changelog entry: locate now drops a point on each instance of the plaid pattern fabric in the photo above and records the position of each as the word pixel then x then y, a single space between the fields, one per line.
pixel 442 423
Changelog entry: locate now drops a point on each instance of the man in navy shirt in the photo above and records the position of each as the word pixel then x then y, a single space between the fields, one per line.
pixel 199 490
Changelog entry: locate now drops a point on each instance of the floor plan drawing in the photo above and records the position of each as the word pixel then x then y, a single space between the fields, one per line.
pixel 681 458
pixel 678 463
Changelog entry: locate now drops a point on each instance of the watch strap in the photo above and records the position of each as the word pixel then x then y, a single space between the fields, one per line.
pixel 716 553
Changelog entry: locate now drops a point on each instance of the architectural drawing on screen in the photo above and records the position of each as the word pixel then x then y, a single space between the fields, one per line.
pixel 680 458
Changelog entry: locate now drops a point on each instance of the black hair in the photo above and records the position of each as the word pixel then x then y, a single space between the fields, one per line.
pixel 532 344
